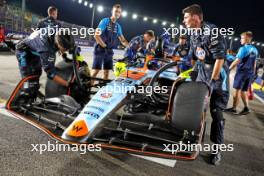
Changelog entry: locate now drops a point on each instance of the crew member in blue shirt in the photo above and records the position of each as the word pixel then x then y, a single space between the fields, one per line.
pixel 111 34
pixel 246 67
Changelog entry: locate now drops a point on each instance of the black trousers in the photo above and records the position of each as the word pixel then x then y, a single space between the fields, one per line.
pixel 29 64
pixel 218 102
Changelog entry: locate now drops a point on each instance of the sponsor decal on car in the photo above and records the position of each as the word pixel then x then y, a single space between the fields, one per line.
pixel 92 114
pixel 106 95
pixel 95 107
pixel 101 101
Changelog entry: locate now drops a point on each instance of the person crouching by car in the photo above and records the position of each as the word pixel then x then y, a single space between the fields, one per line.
pixel 139 44
pixel 111 34
pixel 38 51
pixel 182 50
pixel 246 67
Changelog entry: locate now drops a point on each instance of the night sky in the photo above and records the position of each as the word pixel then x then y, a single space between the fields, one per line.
pixel 239 15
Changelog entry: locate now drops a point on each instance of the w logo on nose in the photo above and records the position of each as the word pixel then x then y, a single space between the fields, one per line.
pixel 78 129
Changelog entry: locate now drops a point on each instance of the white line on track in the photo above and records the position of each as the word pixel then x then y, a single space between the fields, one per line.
pixel 3 111
pixel 259 98
pixel 163 161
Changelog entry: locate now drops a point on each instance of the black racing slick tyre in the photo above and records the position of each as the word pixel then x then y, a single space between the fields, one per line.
pixel 188 106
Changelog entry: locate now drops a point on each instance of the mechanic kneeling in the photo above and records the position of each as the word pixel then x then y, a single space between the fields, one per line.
pixel 182 50
pixel 36 52
pixel 140 44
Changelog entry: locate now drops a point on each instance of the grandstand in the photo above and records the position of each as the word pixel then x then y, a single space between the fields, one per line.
pixel 11 18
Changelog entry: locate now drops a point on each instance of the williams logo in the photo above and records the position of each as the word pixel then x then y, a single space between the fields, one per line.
pixel 78 129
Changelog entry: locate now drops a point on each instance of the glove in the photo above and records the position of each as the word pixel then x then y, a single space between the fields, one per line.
pixel 70 84
pixel 65 58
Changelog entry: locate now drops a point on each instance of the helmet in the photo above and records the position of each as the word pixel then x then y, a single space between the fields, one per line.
pixel 153 65
pixel 119 68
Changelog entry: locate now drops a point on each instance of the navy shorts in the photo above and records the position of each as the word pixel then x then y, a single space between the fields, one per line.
pixel 242 81
pixel 103 60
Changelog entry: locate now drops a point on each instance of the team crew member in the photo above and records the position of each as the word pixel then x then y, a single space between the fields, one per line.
pixel 208 53
pixel 182 50
pixel 39 51
pixel 167 44
pixel 140 44
pixel 50 20
pixel 107 41
pixel 246 67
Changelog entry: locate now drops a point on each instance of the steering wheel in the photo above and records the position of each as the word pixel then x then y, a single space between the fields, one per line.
pixel 159 97
pixel 73 60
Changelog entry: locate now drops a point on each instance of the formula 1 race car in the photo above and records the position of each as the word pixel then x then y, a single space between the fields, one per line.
pixel 121 114
pixel 10 41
